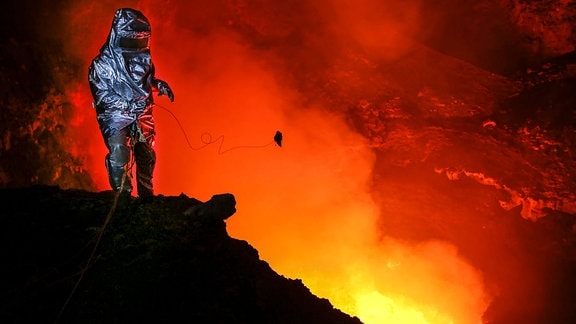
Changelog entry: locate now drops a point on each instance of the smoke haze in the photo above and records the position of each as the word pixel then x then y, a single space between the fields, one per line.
pixel 239 71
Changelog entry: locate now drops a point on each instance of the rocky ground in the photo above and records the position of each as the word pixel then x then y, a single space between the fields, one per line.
pixel 166 260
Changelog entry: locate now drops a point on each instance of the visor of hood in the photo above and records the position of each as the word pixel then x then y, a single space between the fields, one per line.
pixel 133 43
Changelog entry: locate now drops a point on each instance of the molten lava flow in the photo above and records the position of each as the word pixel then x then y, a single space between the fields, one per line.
pixel 305 206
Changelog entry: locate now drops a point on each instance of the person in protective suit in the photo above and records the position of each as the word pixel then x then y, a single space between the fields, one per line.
pixel 122 79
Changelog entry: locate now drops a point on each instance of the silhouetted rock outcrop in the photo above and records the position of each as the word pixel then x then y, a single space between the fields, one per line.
pixel 165 260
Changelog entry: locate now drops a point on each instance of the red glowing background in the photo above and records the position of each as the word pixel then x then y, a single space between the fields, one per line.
pixel 239 71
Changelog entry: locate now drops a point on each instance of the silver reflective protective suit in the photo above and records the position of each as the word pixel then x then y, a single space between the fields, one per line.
pixel 122 80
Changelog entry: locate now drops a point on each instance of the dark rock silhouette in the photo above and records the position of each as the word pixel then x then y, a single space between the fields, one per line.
pixel 166 260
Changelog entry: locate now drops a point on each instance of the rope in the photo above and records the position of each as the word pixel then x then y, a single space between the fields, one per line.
pixel 98 240
pixel 207 139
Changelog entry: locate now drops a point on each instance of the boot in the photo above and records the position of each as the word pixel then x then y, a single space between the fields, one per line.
pixel 118 176
pixel 145 159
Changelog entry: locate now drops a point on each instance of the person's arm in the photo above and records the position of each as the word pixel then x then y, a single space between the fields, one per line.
pixel 163 88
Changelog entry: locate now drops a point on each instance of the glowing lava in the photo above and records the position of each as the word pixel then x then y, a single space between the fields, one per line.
pixel 306 206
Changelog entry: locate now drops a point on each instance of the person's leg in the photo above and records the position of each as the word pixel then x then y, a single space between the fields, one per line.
pixel 144 156
pixel 117 160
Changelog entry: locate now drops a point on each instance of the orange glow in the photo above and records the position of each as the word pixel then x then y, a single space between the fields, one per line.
pixel 306 207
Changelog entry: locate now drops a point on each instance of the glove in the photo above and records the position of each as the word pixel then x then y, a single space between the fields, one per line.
pixel 164 89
